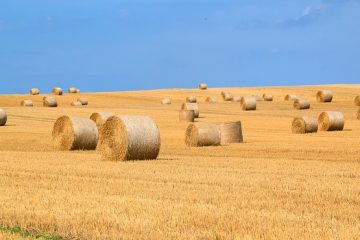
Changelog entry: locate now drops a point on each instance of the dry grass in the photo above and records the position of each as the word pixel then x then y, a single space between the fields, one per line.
pixel 269 187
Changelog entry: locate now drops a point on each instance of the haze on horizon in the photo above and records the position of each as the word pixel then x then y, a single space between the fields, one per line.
pixel 109 45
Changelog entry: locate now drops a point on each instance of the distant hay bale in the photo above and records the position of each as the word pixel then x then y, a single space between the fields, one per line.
pixel 76 104
pixel 27 103
pixel 236 99
pixel 290 97
pixel 357 100
pixel 267 97
pixel 83 101
pixel 301 104
pixel 231 132
pixel 304 125
pixel 331 121
pixel 324 96
pixel 57 91
pixel 75 133
pixel 73 90
pixel 191 106
pixel 186 115
pixel 49 101
pixel 34 91
pixel 166 101
pixel 100 119
pixel 257 97
pixel 226 96
pixel 202 134
pixel 3 117
pixel 129 138
pixel 203 86
pixel 211 100
pixel 191 99
pixel 248 103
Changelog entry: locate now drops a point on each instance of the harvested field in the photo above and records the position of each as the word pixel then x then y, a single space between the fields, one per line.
pixel 274 185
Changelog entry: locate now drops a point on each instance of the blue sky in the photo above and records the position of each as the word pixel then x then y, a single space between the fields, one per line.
pixel 112 45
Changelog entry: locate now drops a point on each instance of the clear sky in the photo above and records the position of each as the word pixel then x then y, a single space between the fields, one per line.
pixel 112 45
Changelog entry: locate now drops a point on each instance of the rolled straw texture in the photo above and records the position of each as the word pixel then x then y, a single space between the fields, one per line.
pixel 203 86
pixel 324 96
pixel 27 103
pixel 191 99
pixel 301 125
pixel 49 101
pixel 83 101
pixel 75 133
pixel 3 117
pixel 301 104
pixel 331 121
pixel 191 106
pixel 73 90
pixel 226 96
pixel 129 138
pixel 357 100
pixel 202 134
pixel 267 97
pixel 57 91
pixel 231 132
pixel 248 103
pixel 34 91
pixel 186 115
pixel 290 97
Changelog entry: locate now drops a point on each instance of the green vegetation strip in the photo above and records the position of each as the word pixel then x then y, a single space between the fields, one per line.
pixel 28 234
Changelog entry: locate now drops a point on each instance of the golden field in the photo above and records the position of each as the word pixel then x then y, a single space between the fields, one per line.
pixel 275 185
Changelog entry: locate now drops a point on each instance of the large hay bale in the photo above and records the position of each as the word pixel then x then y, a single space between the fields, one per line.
pixel 100 119
pixel 186 115
pixel 211 100
pixel 202 134
pixel 236 99
pixel 49 101
pixel 304 125
pixel 27 103
pixel 34 91
pixel 357 100
pixel 191 106
pixel 129 138
pixel 191 99
pixel 290 97
pixel 166 101
pixel 331 121
pixel 226 96
pixel 73 90
pixel 324 96
pixel 83 101
pixel 75 133
pixel 57 91
pixel 301 104
pixel 203 86
pixel 3 117
pixel 231 132
pixel 76 104
pixel 267 97
pixel 248 103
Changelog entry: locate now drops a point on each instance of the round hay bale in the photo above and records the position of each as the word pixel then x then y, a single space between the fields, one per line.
pixel 129 138
pixel 211 100
pixel 267 97
pixel 100 119
pixel 191 106
pixel 83 101
pixel 166 101
pixel 73 90
pixel 191 99
pixel 76 104
pixel 49 101
pixel 186 115
pixel 226 96
pixel 357 100
pixel 304 125
pixel 257 97
pixel 324 96
pixel 3 117
pixel 202 134
pixel 236 99
pixel 301 104
pixel 27 103
pixel 231 132
pixel 248 103
pixel 203 86
pixel 34 91
pixel 290 97
pixel 74 133
pixel 331 121
pixel 57 91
